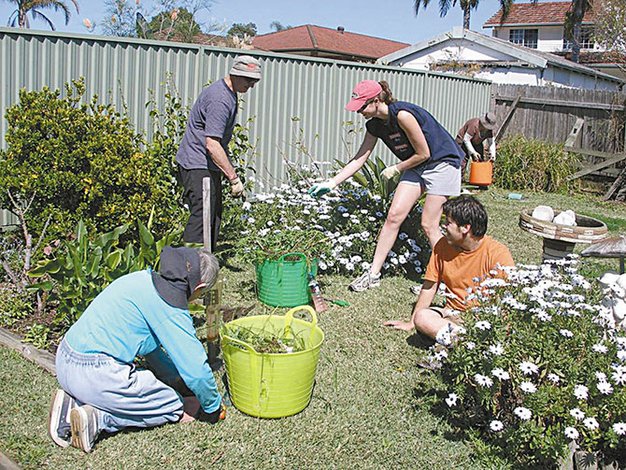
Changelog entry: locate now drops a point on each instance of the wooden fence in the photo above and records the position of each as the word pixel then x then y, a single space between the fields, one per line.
pixel 553 114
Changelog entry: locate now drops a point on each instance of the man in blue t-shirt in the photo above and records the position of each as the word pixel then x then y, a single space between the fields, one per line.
pixel 145 314
pixel 203 151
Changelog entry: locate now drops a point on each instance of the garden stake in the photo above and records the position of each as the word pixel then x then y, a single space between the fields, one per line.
pixel 214 295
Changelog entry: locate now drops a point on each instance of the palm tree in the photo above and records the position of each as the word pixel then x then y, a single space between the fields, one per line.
pixel 19 16
pixel 466 6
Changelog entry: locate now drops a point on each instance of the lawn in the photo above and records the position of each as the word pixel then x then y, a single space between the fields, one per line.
pixel 371 406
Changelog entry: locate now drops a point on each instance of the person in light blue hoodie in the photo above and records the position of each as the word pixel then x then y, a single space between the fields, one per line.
pixel 145 314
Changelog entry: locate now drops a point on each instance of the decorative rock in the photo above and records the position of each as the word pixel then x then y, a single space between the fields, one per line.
pixel 545 213
pixel 565 218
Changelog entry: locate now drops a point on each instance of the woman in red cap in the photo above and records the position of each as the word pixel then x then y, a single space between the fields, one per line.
pixel 430 163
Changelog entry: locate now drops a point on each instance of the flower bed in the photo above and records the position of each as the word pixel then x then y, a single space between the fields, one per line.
pixel 538 368
pixel 340 229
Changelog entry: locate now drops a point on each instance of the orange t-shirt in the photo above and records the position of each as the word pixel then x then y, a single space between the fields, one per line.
pixel 459 270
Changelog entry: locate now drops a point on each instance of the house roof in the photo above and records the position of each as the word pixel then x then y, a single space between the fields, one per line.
pixel 527 14
pixel 311 38
pixel 520 54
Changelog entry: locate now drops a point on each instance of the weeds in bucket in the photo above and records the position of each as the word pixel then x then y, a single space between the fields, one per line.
pixel 265 341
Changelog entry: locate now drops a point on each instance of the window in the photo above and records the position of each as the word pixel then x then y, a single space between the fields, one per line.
pixel 586 39
pixel 524 37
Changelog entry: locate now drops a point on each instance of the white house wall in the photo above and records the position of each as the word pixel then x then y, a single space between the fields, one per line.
pixel 514 76
pixel 450 50
pixel 550 38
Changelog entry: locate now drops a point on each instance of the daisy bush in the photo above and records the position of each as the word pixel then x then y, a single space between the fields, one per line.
pixel 538 368
pixel 339 228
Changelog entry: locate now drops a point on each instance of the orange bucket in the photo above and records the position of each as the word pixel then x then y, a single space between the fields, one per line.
pixel 481 173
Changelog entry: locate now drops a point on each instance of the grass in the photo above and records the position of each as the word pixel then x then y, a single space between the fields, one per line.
pixel 371 406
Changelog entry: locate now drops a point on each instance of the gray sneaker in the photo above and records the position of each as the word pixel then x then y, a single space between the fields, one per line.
pixel 365 281
pixel 59 417
pixel 85 429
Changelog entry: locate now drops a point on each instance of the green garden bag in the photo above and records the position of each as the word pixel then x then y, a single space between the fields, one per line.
pixel 285 282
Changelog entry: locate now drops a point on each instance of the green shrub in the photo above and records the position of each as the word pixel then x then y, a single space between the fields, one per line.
pixel 533 165
pixel 15 305
pixel 82 162
pixel 85 266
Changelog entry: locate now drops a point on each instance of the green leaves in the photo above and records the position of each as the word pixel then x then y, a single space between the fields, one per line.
pixel 85 266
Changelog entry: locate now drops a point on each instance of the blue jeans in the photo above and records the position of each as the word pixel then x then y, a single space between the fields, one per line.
pixel 124 395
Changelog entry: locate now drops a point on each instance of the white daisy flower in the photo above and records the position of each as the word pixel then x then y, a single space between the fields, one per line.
pixel 577 413
pixel 500 374
pixel 619 428
pixel 605 388
pixel 591 423
pixel 571 433
pixel 554 378
pixel 528 368
pixel 600 348
pixel 528 387
pixel 452 399
pixel 581 392
pixel 496 425
pixel 523 413
pixel 496 349
pixel 483 325
pixel 483 380
pixel 566 333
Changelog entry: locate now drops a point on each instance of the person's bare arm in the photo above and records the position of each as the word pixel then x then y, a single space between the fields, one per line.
pixel 219 157
pixel 425 299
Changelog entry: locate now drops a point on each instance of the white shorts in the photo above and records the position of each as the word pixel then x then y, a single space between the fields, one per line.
pixel 440 180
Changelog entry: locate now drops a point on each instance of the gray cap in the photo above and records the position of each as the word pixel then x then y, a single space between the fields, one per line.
pixel 246 66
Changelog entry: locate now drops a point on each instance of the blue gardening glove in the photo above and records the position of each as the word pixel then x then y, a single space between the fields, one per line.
pixel 322 188
pixel 390 172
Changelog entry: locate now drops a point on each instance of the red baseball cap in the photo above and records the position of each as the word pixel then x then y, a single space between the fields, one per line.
pixel 363 91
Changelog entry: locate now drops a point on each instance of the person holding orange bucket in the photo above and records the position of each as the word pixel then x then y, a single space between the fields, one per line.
pixel 476 135
pixel 430 164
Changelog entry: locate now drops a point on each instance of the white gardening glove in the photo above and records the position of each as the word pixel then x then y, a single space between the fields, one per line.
pixel 236 187
pixel 390 172
pixel 322 188
pixel 475 156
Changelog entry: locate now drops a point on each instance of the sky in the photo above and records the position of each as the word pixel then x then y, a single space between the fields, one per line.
pixel 391 19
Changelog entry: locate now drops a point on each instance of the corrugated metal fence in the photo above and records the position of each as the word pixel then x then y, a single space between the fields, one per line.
pixel 125 71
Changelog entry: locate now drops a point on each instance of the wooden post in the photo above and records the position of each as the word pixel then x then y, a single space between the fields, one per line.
pixel 212 299
pixel 206 212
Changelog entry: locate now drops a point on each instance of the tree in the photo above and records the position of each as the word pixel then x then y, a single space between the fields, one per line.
pixel 242 30
pixel 610 21
pixel 573 25
pixel 466 6
pixel 121 18
pixel 34 7
pixel 278 26
pixel 178 24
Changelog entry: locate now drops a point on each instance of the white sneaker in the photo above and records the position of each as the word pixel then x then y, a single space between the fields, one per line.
pixel 365 281
pixel 59 418
pixel 85 429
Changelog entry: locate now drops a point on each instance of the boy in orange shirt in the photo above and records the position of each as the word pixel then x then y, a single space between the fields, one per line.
pixel 462 257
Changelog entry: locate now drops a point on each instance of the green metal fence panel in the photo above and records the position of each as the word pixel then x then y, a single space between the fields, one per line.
pixel 299 102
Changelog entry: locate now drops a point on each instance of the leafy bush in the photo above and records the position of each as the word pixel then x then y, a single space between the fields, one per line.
pixel 15 305
pixel 533 165
pixel 82 162
pixel 538 368
pixel 84 267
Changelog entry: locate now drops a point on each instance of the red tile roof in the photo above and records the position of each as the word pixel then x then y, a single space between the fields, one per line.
pixel 534 14
pixel 317 40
